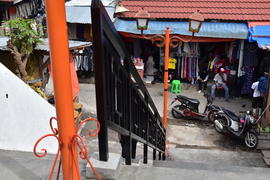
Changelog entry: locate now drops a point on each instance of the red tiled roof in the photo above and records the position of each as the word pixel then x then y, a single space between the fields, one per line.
pixel 256 10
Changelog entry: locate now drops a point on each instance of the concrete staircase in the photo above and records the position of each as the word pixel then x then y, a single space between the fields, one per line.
pixel 193 164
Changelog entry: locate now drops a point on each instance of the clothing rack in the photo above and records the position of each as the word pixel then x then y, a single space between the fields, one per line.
pixel 187 67
pixel 187 62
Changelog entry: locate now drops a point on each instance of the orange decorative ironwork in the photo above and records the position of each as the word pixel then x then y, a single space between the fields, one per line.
pixel 159 40
pixel 77 142
pixel 55 135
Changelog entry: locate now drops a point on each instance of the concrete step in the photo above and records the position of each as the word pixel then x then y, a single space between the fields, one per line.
pixel 177 164
pixel 215 157
pixel 191 173
pixel 208 164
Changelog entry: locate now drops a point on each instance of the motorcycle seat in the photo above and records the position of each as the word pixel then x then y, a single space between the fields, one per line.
pixel 193 101
pixel 231 115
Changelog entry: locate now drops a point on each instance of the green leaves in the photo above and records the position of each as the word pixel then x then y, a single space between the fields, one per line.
pixel 24 34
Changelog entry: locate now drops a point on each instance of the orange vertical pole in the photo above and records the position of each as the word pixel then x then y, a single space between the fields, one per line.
pixel 59 52
pixel 166 59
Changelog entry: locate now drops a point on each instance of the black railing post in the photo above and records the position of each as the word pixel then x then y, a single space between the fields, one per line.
pixel 163 156
pixel 145 153
pixel 156 139
pixel 129 118
pixel 99 62
pixel 159 155
pixel 145 146
pixel 154 154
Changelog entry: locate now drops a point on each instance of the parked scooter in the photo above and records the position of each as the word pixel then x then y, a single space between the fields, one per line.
pixel 189 108
pixel 244 128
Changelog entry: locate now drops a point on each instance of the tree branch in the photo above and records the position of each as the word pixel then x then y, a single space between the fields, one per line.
pixel 14 50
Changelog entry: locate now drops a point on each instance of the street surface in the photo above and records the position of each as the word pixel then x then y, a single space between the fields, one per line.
pixel 183 134
pixel 195 149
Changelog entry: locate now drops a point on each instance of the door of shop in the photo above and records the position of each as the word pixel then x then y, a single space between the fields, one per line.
pixel 123 102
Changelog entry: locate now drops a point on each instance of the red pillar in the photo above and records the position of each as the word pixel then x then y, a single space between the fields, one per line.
pixel 59 52
pixel 166 59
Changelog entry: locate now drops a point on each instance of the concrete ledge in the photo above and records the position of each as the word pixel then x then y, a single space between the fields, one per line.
pixel 106 170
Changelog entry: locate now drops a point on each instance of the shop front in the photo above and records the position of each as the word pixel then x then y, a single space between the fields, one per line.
pixel 217 45
pixel 244 61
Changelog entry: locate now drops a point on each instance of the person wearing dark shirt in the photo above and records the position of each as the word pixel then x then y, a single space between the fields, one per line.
pixel 202 80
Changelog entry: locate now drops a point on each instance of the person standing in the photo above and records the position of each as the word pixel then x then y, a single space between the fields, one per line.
pixel 202 80
pixel 220 81
pixel 257 99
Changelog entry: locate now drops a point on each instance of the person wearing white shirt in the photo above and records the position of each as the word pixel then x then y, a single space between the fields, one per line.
pixel 220 80
pixel 257 99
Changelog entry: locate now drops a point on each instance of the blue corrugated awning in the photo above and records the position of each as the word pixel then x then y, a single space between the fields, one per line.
pixel 82 14
pixel 208 29
pixel 261 35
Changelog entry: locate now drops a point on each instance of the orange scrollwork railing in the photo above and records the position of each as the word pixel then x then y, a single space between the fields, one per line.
pixel 77 142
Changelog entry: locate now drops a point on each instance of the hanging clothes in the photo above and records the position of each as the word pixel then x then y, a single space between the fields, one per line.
pixel 211 67
pixel 245 89
pixel 179 67
pixel 182 67
pixel 187 67
pixel 250 55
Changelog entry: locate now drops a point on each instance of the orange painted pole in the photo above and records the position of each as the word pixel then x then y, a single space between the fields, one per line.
pixel 166 59
pixel 59 52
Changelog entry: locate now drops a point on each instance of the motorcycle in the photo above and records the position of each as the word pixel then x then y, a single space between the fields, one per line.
pixel 243 128
pixel 189 108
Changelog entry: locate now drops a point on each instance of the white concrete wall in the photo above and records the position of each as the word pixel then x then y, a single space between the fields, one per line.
pixel 24 115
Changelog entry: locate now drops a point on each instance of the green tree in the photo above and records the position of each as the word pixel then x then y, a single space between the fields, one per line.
pixel 23 37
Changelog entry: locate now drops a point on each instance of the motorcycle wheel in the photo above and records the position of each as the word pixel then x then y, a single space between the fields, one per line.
pixel 211 116
pixel 175 113
pixel 221 121
pixel 251 140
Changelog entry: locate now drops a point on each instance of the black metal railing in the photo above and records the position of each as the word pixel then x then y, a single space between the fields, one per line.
pixel 123 102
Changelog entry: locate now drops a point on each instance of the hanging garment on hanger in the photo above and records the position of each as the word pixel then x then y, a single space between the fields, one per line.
pixel 212 64
pixel 191 67
pixel 218 64
pixel 194 67
pixel 186 48
pixel 188 67
pixel 179 48
pixel 185 68
pixel 246 87
pixel 182 67
pixel 190 61
pixel 215 62
pixel 197 67
pixel 85 63
pixel 150 69
pixel 178 67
